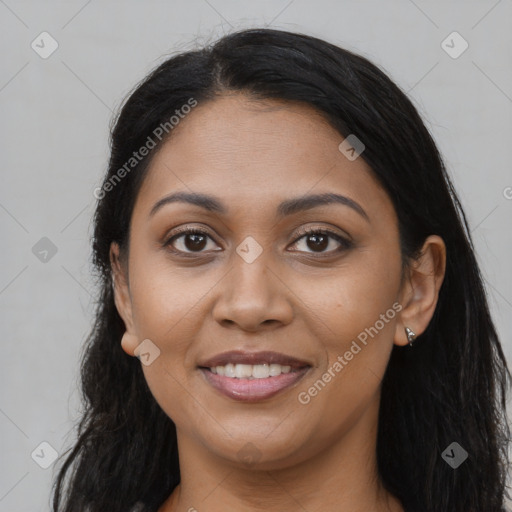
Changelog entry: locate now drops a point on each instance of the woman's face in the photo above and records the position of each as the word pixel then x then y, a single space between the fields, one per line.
pixel 255 282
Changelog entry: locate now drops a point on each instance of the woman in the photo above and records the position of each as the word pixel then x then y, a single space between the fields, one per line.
pixel 291 313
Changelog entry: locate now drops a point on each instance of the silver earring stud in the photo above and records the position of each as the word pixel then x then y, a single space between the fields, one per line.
pixel 410 335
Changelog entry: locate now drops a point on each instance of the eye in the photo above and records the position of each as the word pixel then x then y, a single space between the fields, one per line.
pixel 319 239
pixel 189 240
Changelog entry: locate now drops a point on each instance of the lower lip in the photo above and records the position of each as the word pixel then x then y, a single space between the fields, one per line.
pixel 252 390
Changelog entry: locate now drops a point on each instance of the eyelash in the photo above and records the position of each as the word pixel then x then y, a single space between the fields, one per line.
pixel 345 244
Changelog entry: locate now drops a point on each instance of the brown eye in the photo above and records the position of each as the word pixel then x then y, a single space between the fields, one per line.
pixel 189 240
pixel 194 241
pixel 318 240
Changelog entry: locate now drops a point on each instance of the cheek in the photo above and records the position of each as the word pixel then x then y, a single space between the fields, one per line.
pixel 355 315
pixel 165 301
pixel 357 345
pixel 353 298
pixel 166 308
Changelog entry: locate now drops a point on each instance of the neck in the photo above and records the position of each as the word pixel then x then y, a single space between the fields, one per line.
pixel 341 477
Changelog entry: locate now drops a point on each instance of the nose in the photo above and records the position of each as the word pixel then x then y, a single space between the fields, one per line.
pixel 253 297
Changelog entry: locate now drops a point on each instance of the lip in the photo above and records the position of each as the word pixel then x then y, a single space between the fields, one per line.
pixel 253 390
pixel 242 357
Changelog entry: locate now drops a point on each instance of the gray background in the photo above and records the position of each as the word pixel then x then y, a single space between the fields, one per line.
pixel 54 132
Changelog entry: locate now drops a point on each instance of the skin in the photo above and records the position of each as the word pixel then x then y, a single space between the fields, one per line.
pixel 251 155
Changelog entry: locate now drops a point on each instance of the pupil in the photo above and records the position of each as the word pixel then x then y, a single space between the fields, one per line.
pixel 322 244
pixel 197 243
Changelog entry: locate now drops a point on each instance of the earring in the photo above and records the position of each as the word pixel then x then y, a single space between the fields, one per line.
pixel 410 335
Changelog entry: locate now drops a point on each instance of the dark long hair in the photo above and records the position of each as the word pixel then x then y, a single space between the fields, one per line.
pixel 451 386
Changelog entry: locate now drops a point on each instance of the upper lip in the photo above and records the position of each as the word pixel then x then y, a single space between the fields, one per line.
pixel 241 357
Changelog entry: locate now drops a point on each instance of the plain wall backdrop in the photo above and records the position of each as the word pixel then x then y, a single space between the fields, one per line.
pixel 56 110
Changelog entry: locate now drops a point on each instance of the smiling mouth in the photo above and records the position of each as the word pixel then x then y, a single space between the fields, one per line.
pixel 250 383
pixel 252 371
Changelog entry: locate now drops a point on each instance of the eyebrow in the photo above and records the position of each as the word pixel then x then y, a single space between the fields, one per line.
pixel 288 207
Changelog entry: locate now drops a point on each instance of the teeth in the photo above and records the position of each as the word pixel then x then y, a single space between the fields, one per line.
pixel 243 371
pixel 250 371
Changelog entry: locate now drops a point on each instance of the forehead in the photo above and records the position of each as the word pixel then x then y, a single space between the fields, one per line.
pixel 257 152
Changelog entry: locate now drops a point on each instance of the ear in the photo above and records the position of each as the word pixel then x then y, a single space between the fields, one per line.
pixel 420 290
pixel 122 299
